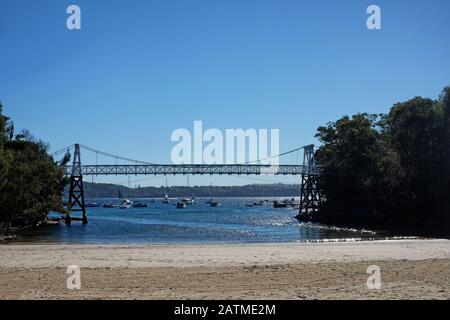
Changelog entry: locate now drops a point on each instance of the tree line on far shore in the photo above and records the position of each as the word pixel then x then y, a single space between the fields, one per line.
pixel 31 182
pixel 390 168
pixel 268 190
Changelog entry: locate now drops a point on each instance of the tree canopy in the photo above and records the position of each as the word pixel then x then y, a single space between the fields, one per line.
pixel 31 182
pixel 388 167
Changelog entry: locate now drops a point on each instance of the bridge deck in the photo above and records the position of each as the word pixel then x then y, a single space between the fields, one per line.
pixel 194 169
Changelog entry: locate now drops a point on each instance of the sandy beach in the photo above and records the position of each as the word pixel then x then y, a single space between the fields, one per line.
pixel 410 269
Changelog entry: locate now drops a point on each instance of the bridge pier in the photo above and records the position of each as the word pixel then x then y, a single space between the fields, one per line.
pixel 76 190
pixel 310 198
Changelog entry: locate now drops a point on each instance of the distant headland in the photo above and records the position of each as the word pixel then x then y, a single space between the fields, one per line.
pixel 108 190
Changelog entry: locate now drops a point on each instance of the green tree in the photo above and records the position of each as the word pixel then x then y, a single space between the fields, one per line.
pixel 393 167
pixel 413 129
pixel 3 156
pixel 349 160
pixel 31 182
pixel 444 103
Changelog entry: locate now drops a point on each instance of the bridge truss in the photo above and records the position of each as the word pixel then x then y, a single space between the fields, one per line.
pixel 194 169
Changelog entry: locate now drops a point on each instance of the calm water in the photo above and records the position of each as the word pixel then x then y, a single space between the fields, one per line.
pixel 232 222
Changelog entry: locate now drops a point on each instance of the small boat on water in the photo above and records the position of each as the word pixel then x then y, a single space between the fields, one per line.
pixel 285 203
pixel 188 200
pixel 110 205
pixel 126 204
pixel 140 205
pixel 254 203
pixel 166 198
pixel 92 205
pixel 211 200
pixel 278 204
pixel 181 205
pixel 215 203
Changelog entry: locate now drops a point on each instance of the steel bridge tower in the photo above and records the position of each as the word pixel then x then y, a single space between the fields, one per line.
pixel 310 198
pixel 76 191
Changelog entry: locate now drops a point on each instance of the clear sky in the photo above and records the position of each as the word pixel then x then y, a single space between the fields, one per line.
pixel 137 70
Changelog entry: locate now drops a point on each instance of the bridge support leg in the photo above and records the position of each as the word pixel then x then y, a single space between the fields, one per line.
pixel 68 219
pixel 309 197
pixel 76 196
pixel 76 190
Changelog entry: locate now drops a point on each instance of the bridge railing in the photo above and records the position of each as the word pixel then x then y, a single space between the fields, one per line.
pixel 193 169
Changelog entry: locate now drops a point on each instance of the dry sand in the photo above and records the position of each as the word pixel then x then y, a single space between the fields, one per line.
pixel 412 269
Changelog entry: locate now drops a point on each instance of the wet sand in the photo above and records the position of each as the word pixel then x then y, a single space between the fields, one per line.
pixel 413 269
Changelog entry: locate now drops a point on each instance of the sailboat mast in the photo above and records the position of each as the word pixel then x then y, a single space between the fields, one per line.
pixel 210 191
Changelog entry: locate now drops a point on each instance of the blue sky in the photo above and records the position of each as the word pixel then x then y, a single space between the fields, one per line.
pixel 137 70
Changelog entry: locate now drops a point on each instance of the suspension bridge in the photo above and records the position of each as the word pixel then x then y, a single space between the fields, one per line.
pixel 310 198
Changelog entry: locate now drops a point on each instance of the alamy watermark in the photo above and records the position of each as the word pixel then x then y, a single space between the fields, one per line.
pixel 74 279
pixel 73 21
pixel 235 146
pixel 374 20
pixel 374 280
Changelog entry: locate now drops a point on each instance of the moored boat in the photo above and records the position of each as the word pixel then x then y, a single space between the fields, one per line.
pixel 126 204
pixel 140 205
pixel 110 205
pixel 188 200
pixel 181 205
pixel 215 203
pixel 92 205
pixel 278 204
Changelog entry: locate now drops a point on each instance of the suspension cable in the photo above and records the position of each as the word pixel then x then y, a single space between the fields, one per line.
pixel 62 150
pixel 116 157
pixel 279 155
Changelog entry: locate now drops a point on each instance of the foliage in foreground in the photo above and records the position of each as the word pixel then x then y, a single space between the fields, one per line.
pixel 31 183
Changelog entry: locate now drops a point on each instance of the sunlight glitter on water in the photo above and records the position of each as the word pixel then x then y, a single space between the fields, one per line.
pixel 232 222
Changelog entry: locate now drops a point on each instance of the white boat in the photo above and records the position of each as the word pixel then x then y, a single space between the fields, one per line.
pixel 126 204
pixel 188 200
pixel 166 197
pixel 211 200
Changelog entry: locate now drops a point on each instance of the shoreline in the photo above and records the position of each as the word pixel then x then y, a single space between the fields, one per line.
pixel 17 240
